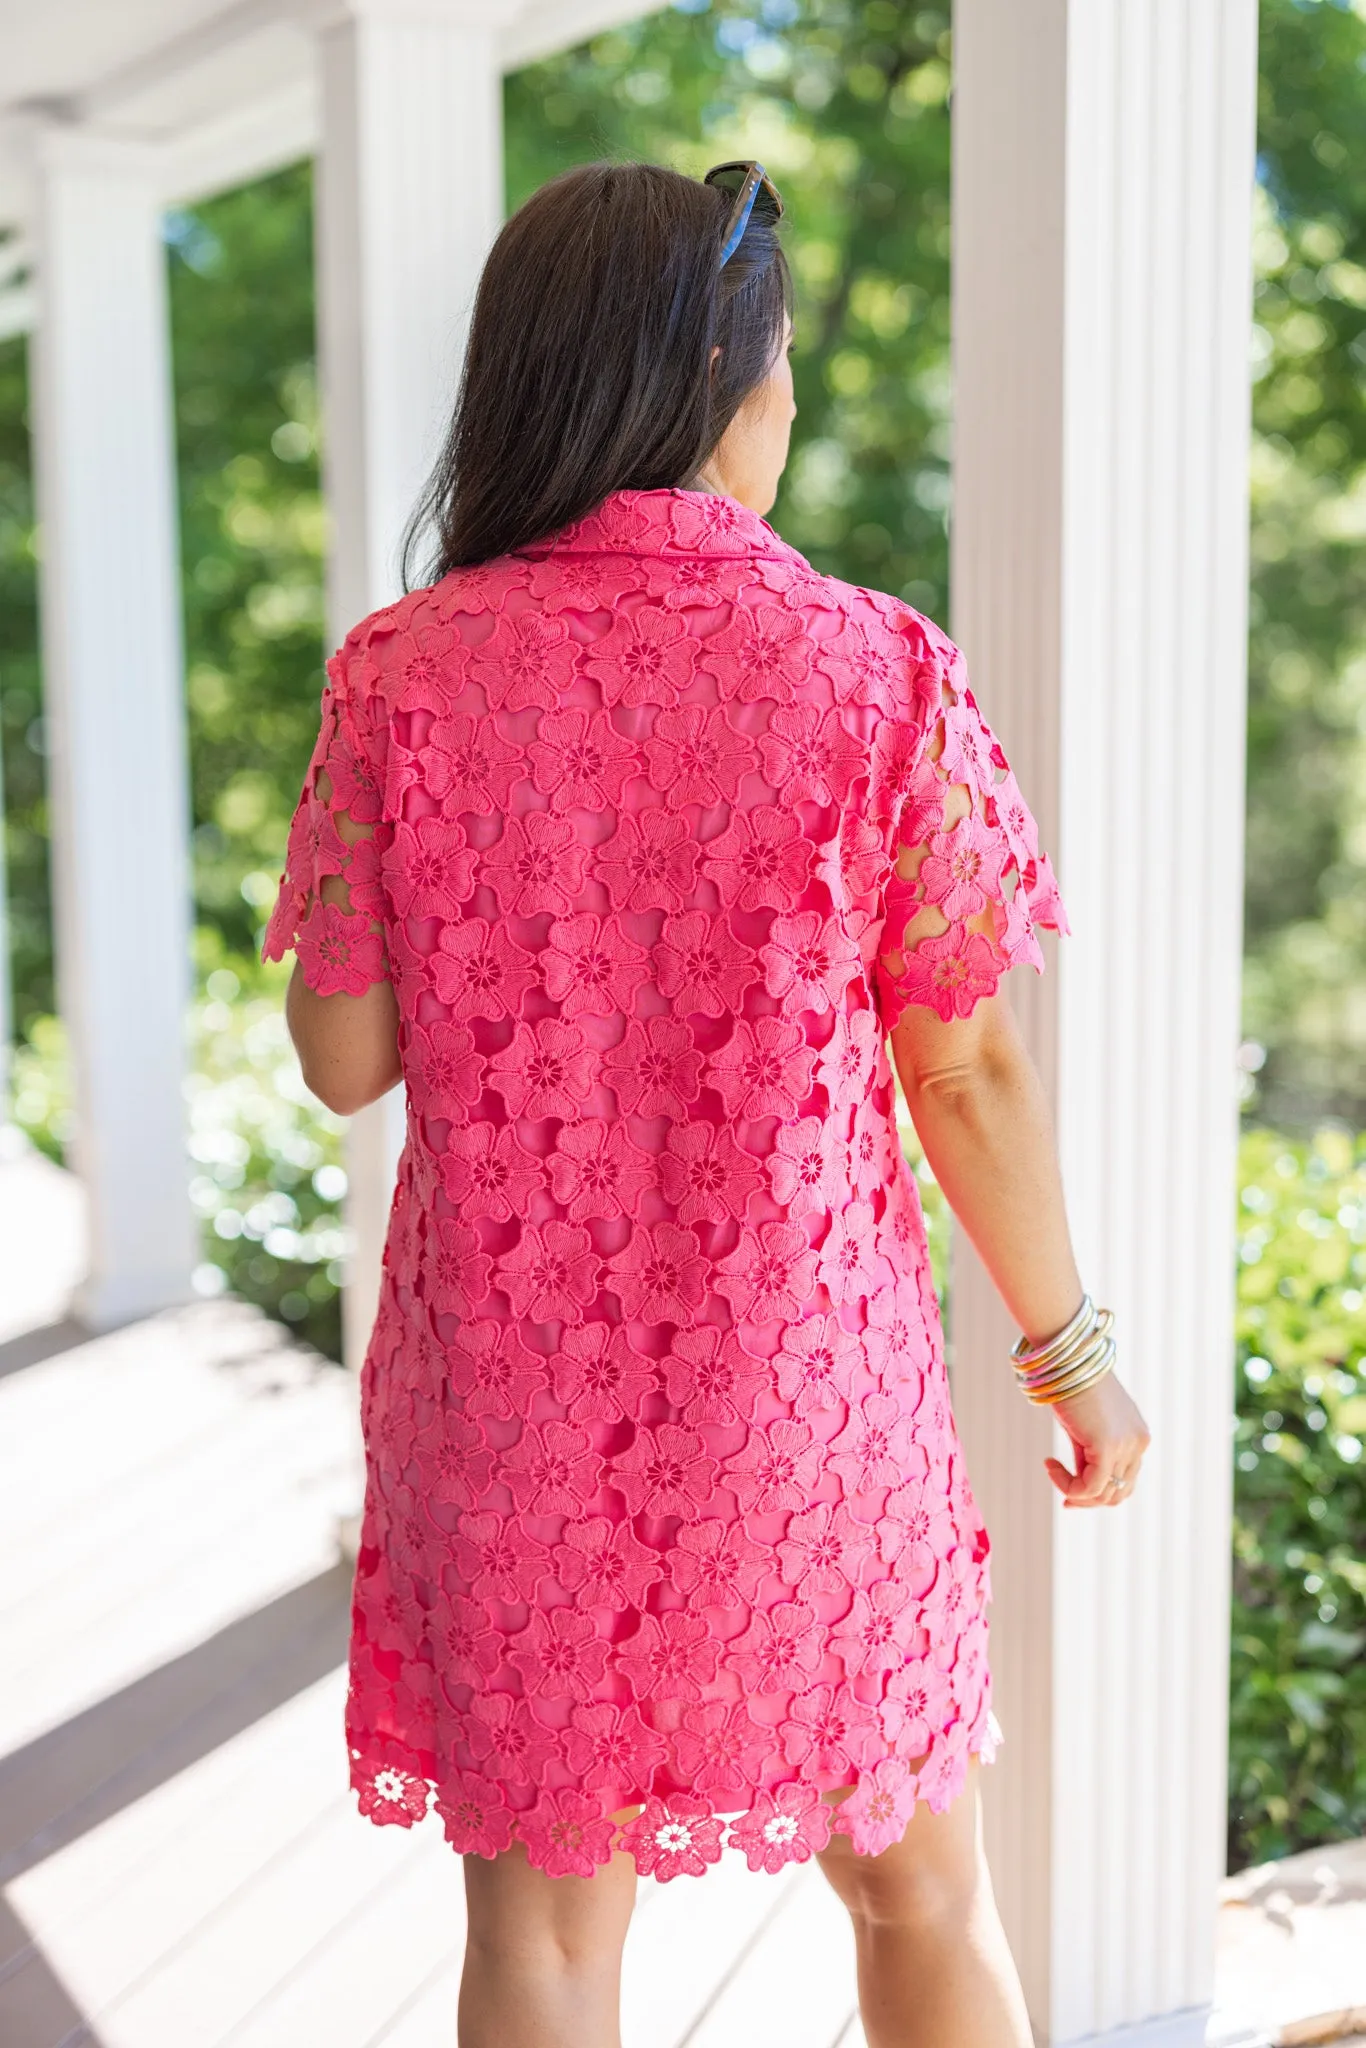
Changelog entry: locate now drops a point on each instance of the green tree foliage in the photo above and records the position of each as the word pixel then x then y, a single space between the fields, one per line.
pixel 1306 854
pixel 23 787
pixel 846 102
pixel 252 536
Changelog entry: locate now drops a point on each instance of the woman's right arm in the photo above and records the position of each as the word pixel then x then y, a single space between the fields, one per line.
pixel 340 1008
pixel 347 1044
pixel 980 1112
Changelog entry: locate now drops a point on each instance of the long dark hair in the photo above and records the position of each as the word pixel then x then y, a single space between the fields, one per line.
pixel 589 364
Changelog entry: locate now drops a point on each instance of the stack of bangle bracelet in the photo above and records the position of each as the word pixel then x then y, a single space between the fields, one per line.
pixel 1082 1352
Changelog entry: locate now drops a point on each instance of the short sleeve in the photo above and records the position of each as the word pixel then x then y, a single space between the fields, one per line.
pixel 333 833
pixel 968 886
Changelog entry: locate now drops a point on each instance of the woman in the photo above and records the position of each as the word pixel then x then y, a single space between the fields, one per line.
pixel 625 845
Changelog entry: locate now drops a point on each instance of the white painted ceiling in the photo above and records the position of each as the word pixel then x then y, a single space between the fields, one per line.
pixel 58 49
pixel 168 71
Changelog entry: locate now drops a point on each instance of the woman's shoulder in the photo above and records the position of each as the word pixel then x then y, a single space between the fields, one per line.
pixel 874 633
pixel 679 549
pixel 880 612
pixel 403 639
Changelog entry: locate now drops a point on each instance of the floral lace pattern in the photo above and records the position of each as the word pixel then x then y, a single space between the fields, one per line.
pixel 657 832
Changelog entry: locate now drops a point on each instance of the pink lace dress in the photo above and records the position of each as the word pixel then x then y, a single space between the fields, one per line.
pixel 665 1503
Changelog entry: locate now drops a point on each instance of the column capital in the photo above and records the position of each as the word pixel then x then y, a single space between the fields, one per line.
pixel 74 146
pixel 39 141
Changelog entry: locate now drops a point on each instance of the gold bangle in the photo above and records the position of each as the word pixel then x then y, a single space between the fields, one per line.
pixel 1028 1357
pixel 1088 1349
pixel 1082 1371
pixel 1078 1385
pixel 1083 1342
pixel 1054 1400
pixel 1077 1357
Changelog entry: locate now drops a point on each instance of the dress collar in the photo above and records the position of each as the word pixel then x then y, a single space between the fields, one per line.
pixel 667 522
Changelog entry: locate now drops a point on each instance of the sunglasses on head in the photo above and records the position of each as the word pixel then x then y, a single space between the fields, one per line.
pixel 748 182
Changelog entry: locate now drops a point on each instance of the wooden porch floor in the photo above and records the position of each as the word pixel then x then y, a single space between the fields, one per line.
pixel 180 1859
pixel 181 1865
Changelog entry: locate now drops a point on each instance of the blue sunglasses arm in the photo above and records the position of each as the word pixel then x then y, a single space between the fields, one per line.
pixel 736 235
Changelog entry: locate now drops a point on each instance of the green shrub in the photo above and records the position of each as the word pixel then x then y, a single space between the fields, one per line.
pixel 1297 1703
pixel 40 1084
pixel 266 1174
pixel 1297 1767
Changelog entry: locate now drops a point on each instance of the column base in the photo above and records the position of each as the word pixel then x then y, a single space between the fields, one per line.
pixel 1189 2028
pixel 125 1298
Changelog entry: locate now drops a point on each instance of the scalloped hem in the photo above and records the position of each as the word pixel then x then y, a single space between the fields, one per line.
pixel 570 1833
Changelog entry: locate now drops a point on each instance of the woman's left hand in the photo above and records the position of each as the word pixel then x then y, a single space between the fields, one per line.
pixel 1110 1436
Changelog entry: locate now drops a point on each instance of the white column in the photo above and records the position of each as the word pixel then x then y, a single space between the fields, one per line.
pixel 113 686
pixel 1103 169
pixel 409 198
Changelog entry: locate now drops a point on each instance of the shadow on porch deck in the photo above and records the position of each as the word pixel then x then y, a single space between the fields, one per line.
pixel 180 1862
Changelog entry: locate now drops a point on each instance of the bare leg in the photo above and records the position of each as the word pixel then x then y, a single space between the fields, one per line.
pixel 934 1965
pixel 543 1954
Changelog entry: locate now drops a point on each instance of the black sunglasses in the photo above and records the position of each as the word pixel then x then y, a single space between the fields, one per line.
pixel 747 181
